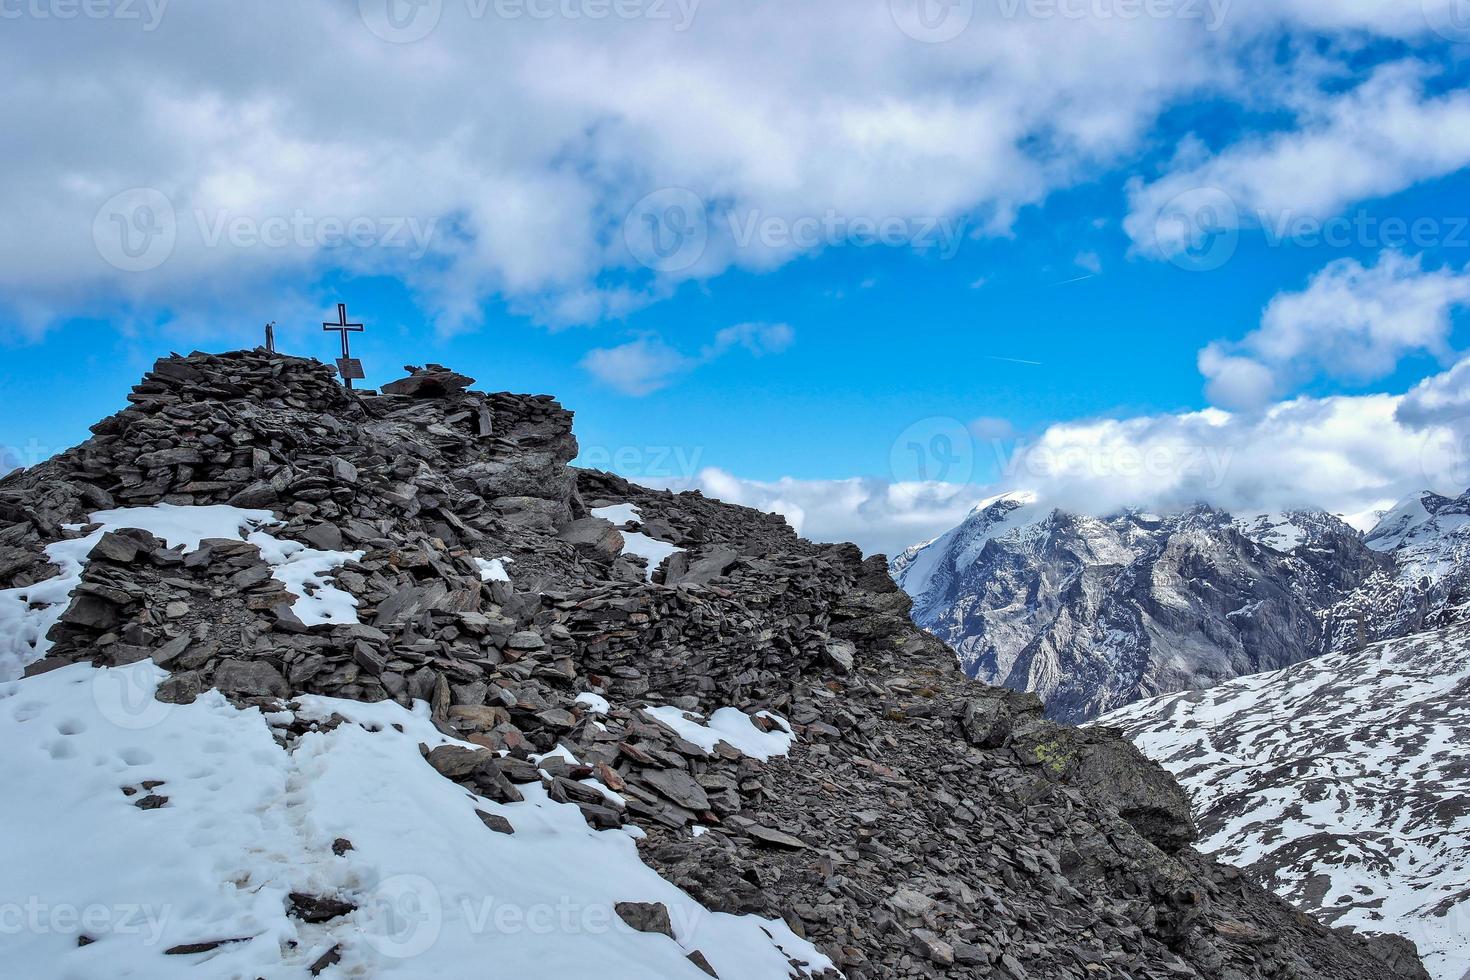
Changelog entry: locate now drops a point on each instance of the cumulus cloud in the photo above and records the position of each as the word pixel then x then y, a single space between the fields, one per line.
pixel 1376 139
pixel 1352 322
pixel 1343 453
pixel 646 364
pixel 1235 382
pixel 878 515
pixel 1441 400
pixel 602 162
pixel 1350 455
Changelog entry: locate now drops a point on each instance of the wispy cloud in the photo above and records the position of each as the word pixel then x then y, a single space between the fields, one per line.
pixel 646 364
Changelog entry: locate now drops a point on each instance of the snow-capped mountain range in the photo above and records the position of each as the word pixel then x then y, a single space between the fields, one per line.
pixel 1095 613
pixel 1341 784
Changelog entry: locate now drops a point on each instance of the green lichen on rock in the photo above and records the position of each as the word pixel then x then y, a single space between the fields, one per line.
pixel 1055 754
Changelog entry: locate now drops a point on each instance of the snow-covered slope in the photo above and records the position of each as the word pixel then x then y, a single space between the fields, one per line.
pixel 925 570
pixel 249 816
pixel 217 817
pixel 1341 783
pixel 1428 534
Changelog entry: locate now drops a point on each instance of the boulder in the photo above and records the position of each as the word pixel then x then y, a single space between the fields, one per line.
pixel 250 678
pixel 594 537
pixel 433 381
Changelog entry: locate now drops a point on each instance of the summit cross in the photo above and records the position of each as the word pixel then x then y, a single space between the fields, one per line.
pixel 347 365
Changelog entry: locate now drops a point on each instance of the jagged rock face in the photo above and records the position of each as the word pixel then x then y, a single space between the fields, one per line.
pixel 922 825
pixel 1341 784
pixel 1427 585
pixel 1093 613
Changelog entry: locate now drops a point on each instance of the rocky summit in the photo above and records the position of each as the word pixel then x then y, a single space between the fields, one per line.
pixel 412 679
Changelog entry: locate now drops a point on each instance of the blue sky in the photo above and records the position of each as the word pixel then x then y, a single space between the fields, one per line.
pixel 1034 170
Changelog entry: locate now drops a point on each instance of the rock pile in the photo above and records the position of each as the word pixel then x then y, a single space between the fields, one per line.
pixel 922 825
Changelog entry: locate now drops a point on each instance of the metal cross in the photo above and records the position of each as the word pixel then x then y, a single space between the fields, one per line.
pixel 347 365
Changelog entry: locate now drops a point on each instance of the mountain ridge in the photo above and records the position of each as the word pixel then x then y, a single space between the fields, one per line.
pixel 289 581
pixel 1095 612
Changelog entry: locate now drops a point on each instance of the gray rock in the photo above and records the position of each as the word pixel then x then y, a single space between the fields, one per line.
pixel 678 786
pixel 771 837
pixel 182 688
pixel 593 536
pixel 115 547
pixel 526 640
pixel 253 678
pixel 841 654
pixel 495 822
pixel 433 381
pixel 91 612
pixel 710 565
pixel 646 917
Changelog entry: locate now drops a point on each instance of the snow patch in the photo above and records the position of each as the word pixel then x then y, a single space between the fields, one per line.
pixel 1339 781
pixel 729 725
pixel 595 703
pixel 493 569
pixel 652 550
pixel 619 514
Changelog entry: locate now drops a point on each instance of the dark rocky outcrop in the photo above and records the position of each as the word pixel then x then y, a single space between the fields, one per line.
pixel 923 825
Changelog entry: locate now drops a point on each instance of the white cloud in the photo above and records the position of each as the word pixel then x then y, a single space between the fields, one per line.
pixel 878 515
pixel 757 338
pixel 643 366
pixel 639 367
pixel 1350 323
pixel 522 176
pixel 1442 400
pixel 1235 382
pixel 1347 454
pixel 1342 453
pixel 1376 139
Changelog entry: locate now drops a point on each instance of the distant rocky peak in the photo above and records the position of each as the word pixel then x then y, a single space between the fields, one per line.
pixel 1416 517
pixel 1288 530
pixel 1003 503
